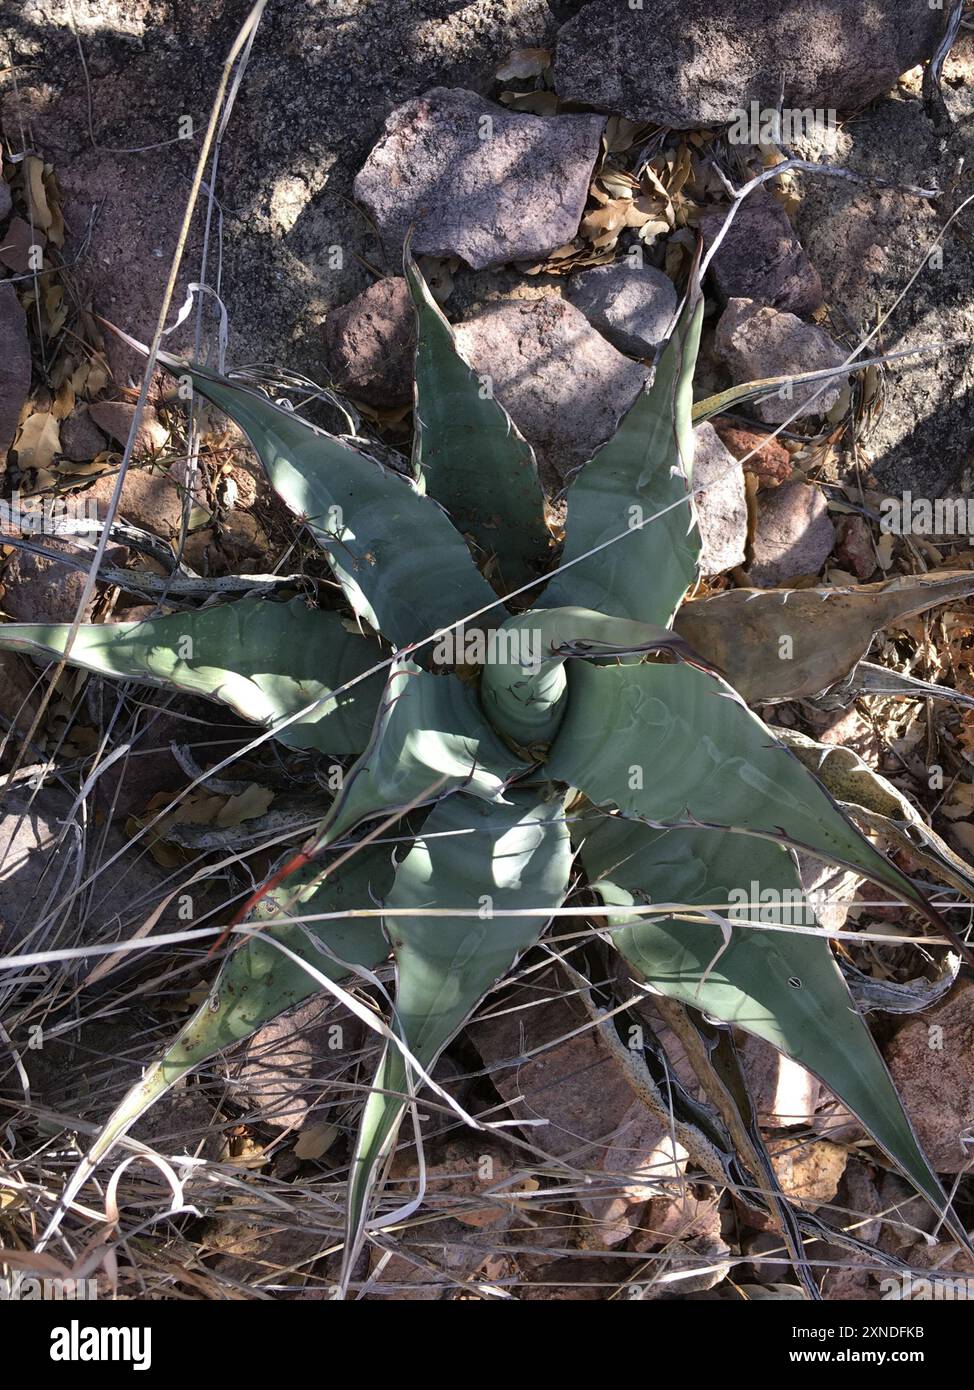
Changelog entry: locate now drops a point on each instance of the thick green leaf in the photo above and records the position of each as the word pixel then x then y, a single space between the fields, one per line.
pixel 470 454
pixel 781 986
pixel 523 684
pixel 430 738
pixel 646 468
pixel 257 982
pixel 471 855
pixel 686 750
pixel 265 660
pixel 402 566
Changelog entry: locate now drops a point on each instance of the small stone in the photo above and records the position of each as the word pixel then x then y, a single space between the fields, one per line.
pixel 808 1171
pixel 477 181
pixel 761 456
pixel 14 365
pixel 854 547
pixel 115 419
pixel 642 1161
pixel 687 1216
pixel 150 499
pixel 475 1181
pixel 369 344
pixel 931 1059
pixel 290 1073
pixel 718 491
pixel 793 536
pixel 761 258
pixel 757 342
pixel 563 385
pixel 703 64
pixel 906 1216
pixel 859 1195
pixel 632 306
pixel 785 1094
pixel 15 246
pixel 81 439
pixel 42 589
pixel 688 1227
pixel 831 890
pixel 857 1211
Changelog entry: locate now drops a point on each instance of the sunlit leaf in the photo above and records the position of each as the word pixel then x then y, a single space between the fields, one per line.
pixel 402 566
pixel 265 660
pixel 685 750
pixel 469 453
pixel 637 487
pixel 783 987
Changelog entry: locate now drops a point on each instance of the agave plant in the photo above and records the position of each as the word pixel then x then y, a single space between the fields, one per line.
pixel 548 722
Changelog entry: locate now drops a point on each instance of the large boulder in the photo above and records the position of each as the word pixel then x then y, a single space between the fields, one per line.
pixel 691 65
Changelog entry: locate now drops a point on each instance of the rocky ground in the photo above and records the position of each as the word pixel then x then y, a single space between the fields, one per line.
pixel 557 163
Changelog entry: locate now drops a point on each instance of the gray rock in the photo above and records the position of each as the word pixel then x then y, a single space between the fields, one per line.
pixel 150 498
pixel 41 589
pixel 931 1059
pixel 630 305
pixel 718 491
pixel 563 385
pixel 28 836
pixel 691 65
pixel 16 243
pixel 14 365
pixel 868 243
pixel 758 342
pixel 115 419
pixel 369 344
pixel 46 588
pixel 6 202
pixel 784 1093
pixel 81 439
pixel 761 258
pixel 793 536
pixel 831 890
pixel 477 181
pixel 572 1080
